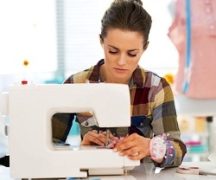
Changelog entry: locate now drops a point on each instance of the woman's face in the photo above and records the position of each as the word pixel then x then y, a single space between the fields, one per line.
pixel 122 49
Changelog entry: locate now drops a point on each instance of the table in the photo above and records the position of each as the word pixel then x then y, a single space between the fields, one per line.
pixel 145 171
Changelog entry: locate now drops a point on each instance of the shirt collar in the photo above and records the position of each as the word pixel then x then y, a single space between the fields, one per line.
pixel 95 74
pixel 137 78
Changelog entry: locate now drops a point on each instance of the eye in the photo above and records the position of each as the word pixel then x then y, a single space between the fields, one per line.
pixel 113 52
pixel 132 54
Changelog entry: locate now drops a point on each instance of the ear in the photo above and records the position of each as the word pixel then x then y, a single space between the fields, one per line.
pixel 101 39
pixel 146 45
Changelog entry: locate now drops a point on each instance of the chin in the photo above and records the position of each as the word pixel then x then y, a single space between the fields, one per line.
pixel 123 80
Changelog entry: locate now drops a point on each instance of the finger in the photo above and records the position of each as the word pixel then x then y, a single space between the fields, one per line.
pixel 94 138
pixel 130 152
pixel 124 145
pixel 98 138
pixel 102 138
pixel 131 137
pixel 98 142
pixel 129 141
pixel 93 132
pixel 136 156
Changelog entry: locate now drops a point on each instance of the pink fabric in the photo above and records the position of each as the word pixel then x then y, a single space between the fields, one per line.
pixel 203 47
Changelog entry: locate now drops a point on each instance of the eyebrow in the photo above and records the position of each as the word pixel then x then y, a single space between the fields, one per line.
pixel 118 48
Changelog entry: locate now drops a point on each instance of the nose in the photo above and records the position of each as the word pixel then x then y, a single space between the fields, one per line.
pixel 122 60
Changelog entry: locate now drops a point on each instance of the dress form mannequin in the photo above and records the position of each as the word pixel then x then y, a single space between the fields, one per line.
pixel 193 32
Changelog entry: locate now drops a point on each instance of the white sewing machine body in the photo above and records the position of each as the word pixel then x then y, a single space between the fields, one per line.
pixel 30 109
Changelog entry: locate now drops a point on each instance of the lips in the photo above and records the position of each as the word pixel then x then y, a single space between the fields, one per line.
pixel 120 70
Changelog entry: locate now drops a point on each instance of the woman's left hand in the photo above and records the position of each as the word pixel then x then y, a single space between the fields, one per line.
pixel 134 146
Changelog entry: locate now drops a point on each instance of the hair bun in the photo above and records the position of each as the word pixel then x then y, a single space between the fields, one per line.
pixel 134 1
pixel 138 2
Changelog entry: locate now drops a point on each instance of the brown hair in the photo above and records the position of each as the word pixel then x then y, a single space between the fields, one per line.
pixel 127 15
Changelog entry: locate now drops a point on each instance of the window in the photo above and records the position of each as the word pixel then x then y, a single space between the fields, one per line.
pixel 61 37
pixel 28 32
pixel 82 28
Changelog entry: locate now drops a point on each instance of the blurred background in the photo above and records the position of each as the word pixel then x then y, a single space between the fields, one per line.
pixel 45 41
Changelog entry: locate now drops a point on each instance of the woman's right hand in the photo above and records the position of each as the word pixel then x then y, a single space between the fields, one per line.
pixel 94 138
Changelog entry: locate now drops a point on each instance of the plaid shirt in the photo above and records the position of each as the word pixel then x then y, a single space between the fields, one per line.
pixel 152 106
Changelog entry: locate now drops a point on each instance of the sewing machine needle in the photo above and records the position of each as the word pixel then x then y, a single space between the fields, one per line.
pixel 107 138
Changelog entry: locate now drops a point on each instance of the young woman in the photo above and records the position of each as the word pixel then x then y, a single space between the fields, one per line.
pixel 154 131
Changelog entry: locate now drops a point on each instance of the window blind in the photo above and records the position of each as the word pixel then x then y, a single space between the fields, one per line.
pixel 81 28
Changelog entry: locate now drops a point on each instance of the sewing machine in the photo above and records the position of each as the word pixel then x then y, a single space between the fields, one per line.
pixel 30 109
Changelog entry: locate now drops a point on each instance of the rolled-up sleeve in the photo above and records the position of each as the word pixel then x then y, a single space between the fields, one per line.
pixel 165 122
